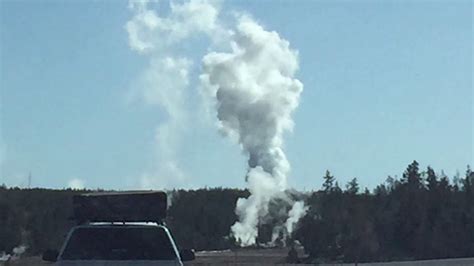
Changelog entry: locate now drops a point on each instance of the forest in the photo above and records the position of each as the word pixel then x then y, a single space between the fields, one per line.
pixel 421 215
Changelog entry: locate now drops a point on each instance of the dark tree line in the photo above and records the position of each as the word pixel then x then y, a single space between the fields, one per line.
pixel 38 218
pixel 420 216
pixel 41 218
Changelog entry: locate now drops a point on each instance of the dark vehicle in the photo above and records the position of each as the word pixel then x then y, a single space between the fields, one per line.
pixel 119 229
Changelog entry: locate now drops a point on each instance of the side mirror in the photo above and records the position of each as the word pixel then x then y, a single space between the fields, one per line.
pixel 50 255
pixel 187 255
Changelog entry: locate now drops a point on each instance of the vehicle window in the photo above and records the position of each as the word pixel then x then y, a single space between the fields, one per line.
pixel 119 244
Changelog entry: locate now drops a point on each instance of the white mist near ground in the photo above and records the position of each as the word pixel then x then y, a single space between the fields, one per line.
pixel 297 211
pixel 171 197
pixel 76 183
pixel 256 93
pixel 17 252
pixel 4 256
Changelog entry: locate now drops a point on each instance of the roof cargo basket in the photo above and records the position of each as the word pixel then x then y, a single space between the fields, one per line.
pixel 126 206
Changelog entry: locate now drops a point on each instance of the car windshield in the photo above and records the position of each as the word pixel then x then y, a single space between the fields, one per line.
pixel 119 243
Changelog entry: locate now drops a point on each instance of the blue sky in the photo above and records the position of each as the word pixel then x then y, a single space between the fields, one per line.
pixel 384 84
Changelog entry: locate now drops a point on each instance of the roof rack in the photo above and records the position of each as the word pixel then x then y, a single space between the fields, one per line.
pixel 116 207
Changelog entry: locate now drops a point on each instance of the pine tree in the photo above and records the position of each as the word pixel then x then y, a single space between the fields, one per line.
pixel 352 187
pixel 337 188
pixel 431 179
pixel 412 176
pixel 468 180
pixel 328 184
pixel 391 183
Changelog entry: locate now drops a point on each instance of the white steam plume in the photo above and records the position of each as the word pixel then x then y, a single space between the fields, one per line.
pixel 256 93
pixel 148 32
pixel 165 82
pixel 253 86
pixel 297 211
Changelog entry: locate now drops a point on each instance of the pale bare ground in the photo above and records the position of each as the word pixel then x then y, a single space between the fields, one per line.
pixel 277 257
pixel 442 262
pixel 241 257
pixel 264 257
pixel 36 261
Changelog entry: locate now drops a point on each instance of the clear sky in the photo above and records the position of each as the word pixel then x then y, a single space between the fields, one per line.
pixel 385 82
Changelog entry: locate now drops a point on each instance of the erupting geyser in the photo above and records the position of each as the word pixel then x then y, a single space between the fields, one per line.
pixel 256 92
pixel 252 85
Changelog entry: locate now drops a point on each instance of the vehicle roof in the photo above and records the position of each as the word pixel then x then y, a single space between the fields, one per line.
pixel 120 224
pixel 125 192
pixel 120 206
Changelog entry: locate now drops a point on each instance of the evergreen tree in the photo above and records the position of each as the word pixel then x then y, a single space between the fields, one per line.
pixel 352 187
pixel 337 188
pixel 468 180
pixel 431 179
pixel 412 176
pixel 391 184
pixel 328 184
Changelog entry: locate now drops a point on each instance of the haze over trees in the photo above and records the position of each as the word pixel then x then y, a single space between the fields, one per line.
pixel 422 215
